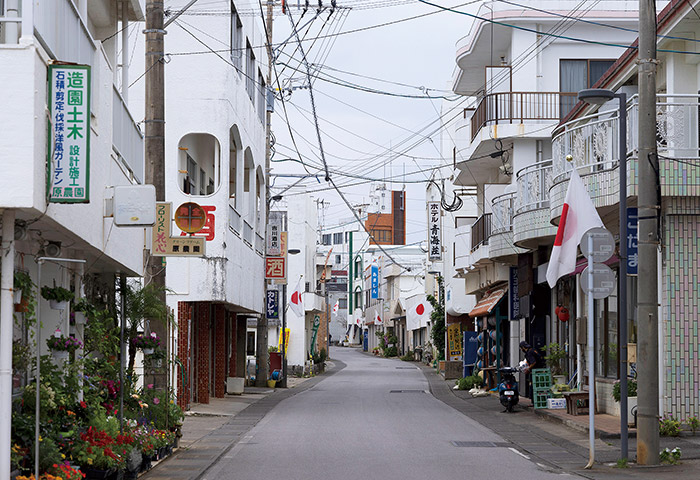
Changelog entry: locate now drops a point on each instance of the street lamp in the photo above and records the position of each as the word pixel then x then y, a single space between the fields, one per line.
pixel 599 96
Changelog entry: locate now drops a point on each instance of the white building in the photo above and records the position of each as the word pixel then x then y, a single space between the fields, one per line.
pixel 215 157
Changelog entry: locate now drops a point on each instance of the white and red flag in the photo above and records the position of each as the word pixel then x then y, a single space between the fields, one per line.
pixel 336 306
pixel 295 301
pixel 577 217
pixel 418 311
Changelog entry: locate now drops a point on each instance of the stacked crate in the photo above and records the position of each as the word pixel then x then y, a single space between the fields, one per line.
pixel 541 387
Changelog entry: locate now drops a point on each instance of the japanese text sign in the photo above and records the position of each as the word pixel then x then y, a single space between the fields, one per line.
pixel 272 310
pixel 162 244
pixel 208 231
pixel 434 234
pixel 632 229
pixel 275 227
pixel 275 267
pixel 69 136
pixel 513 293
pixel 375 281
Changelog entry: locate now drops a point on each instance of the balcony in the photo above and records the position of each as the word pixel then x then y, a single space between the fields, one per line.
pixel 462 247
pixel 481 231
pixel 248 233
pixel 531 222
pixel 501 245
pixel 127 139
pixel 519 107
pixel 592 141
pixel 234 220
pixel 259 244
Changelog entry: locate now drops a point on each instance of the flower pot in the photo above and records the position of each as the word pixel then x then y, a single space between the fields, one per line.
pixel 21 307
pixel 271 383
pixel 17 297
pixel 147 351
pixel 60 355
pixel 95 474
pixel 559 379
pixel 56 305
pixel 80 318
pixel 145 462
pixel 631 404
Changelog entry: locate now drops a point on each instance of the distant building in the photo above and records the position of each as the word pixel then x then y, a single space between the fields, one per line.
pixel 386 226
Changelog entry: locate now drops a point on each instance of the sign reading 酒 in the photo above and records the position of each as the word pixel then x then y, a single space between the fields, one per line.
pixel 69 136
pixel 434 234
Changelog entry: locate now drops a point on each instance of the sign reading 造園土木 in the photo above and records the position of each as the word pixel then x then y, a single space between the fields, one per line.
pixel 163 245
pixel 69 134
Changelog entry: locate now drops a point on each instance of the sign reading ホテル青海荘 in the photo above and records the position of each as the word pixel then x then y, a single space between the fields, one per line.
pixel 69 134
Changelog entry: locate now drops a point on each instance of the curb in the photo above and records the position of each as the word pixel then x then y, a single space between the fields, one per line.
pixel 602 434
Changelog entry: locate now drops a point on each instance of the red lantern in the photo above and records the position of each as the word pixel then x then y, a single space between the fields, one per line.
pixel 562 313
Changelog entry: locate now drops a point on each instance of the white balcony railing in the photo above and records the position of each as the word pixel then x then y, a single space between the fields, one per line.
pixel 533 187
pixel 234 220
pixel 502 213
pixel 259 244
pixel 127 137
pixel 592 140
pixel 247 233
pixel 15 23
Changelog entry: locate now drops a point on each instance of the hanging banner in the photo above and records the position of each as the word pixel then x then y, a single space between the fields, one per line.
pixel 286 341
pixel 314 332
pixel 69 134
pixel 454 341
pixel 513 297
pixel 375 281
pixel 632 229
pixel 273 310
pixel 434 233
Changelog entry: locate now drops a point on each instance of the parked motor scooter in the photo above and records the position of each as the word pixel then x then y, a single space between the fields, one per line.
pixel 508 388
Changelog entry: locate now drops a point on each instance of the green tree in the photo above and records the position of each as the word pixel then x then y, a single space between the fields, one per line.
pixel 142 302
pixel 438 319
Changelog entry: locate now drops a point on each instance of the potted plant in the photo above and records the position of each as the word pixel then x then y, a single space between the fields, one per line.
pixel 555 354
pixel 631 396
pixel 61 346
pixel 80 310
pixel 22 285
pixel 58 297
pixel 147 343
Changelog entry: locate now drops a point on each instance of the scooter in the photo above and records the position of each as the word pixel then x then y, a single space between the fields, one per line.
pixel 508 388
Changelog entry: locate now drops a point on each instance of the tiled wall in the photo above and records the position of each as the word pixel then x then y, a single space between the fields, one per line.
pixel 220 350
pixel 681 307
pixel 202 354
pixel 184 315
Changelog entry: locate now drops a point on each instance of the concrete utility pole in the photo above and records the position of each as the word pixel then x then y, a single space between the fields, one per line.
pixel 262 358
pixel 647 290
pixel 155 146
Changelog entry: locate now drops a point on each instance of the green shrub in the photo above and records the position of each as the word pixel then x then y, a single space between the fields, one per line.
pixel 391 351
pixel 631 389
pixel 669 426
pixel 408 357
pixel 670 456
pixel 467 383
pixel 693 422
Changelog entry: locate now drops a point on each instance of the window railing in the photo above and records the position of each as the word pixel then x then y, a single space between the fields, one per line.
pixel 259 244
pixel 512 107
pixel 234 220
pixel 533 187
pixel 481 231
pixel 127 138
pixel 247 233
pixel 502 216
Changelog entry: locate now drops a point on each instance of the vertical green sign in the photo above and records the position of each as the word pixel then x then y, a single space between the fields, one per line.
pixel 314 332
pixel 69 134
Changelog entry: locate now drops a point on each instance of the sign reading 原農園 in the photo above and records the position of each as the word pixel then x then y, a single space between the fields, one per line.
pixel 163 245
pixel 69 134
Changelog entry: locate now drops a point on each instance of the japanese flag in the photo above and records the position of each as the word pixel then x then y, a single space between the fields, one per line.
pixel 417 315
pixel 577 217
pixel 378 320
pixel 336 306
pixel 295 301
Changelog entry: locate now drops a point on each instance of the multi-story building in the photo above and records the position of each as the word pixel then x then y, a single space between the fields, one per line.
pixel 215 157
pixel 66 120
pixel 386 216
pixel 525 81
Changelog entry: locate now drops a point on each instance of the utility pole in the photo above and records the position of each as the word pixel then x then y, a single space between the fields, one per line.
pixel 262 358
pixel 649 205
pixel 154 142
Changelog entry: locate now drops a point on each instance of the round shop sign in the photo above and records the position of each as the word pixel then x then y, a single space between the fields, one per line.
pixel 604 280
pixel 603 245
pixel 190 217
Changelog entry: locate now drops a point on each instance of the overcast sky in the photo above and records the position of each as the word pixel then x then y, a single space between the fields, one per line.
pixel 359 128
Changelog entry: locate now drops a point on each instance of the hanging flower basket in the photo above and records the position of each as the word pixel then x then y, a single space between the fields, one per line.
pixel 58 297
pixel 60 355
pixel 147 351
pixel 61 346
pixel 147 343
pixel 17 297
pixel 80 318
pixel 56 305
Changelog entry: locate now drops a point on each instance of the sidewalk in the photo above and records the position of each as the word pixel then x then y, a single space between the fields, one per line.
pixel 211 430
pixel 559 442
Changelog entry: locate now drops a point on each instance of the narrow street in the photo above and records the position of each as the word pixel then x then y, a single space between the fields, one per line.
pixel 375 418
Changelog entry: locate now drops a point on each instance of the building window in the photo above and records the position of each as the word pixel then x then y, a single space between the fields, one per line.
pixel 250 71
pixel 198 165
pixel 381 236
pixel 250 343
pixel 262 107
pixel 337 260
pixel 576 75
pixel 236 40
pixel 337 238
pixel 342 303
pixel 326 239
pixel 347 235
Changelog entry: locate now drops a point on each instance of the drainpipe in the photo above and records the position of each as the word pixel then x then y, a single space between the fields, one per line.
pixel 125 52
pixel 6 307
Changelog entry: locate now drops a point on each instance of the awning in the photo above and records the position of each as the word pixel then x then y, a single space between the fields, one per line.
pixel 486 305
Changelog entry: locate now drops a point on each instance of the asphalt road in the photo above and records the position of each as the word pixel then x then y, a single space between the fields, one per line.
pixel 374 419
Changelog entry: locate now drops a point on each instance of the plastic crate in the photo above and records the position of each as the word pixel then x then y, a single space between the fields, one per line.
pixel 541 379
pixel 539 399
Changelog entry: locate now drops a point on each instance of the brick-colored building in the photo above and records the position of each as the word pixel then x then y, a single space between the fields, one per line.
pixel 388 228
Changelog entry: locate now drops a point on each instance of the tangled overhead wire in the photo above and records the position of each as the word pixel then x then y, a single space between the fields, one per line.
pixel 457 202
